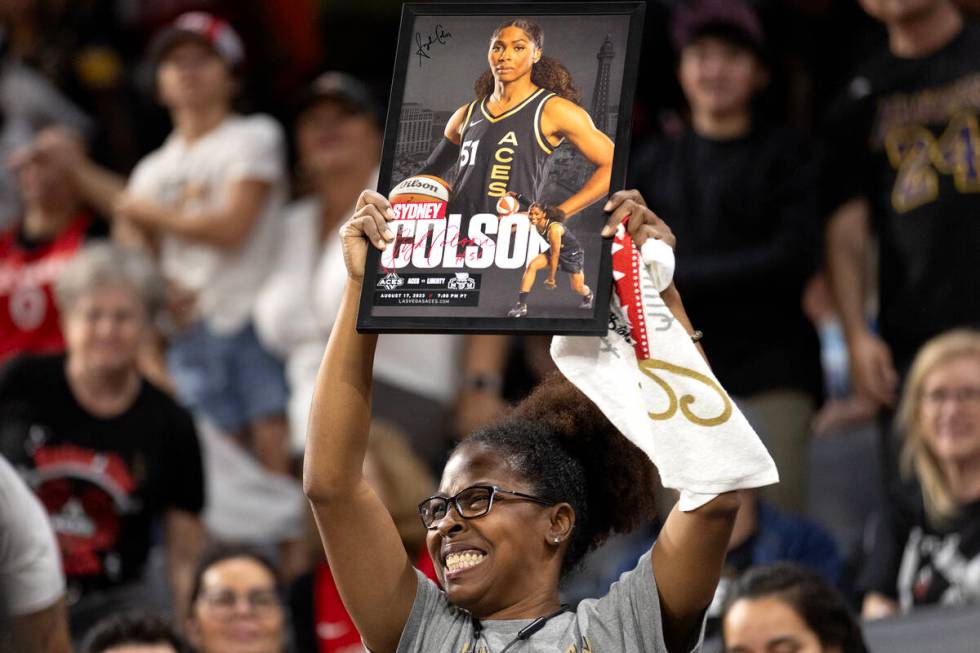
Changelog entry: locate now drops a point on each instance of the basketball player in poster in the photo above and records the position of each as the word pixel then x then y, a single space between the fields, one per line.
pixel 502 141
pixel 564 252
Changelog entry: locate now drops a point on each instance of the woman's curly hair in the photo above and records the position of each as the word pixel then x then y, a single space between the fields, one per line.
pixel 566 449
pixel 547 73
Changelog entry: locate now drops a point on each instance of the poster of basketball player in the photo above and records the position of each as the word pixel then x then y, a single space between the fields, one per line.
pixel 508 127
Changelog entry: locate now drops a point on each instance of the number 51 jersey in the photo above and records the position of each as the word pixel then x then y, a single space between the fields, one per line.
pixel 500 154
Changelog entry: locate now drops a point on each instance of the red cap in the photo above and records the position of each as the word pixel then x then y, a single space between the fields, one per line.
pixel 214 32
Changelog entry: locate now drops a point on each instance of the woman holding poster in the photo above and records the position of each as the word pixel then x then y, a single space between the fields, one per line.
pixel 519 505
pixel 502 141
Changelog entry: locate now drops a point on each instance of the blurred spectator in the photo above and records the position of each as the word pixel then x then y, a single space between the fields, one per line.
pixel 926 548
pixel 27 104
pixel 107 453
pixel 842 408
pixel 132 632
pixel 208 200
pixel 284 41
pixel 33 618
pixel 902 164
pixel 741 199
pixel 54 227
pixel 236 605
pixel 338 139
pixel 783 607
pixel 320 620
pixel 762 535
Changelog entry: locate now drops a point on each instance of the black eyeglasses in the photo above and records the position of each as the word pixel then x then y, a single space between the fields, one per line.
pixel 472 502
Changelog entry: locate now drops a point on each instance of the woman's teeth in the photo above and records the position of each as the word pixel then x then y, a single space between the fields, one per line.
pixel 464 560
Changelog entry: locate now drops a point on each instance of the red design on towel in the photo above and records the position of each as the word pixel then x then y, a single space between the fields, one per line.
pixel 626 274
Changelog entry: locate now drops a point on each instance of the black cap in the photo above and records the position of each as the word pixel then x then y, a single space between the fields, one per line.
pixel 733 19
pixel 343 88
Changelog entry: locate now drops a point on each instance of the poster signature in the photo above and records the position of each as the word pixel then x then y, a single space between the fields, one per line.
pixel 439 37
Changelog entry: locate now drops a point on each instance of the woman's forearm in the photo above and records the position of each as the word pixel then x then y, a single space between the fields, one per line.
pixel 672 299
pixel 341 412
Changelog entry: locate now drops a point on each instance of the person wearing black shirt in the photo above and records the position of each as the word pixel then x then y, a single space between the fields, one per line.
pixel 107 453
pixel 742 197
pixel 902 164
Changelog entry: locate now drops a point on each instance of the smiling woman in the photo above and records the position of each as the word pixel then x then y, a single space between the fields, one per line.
pixel 111 456
pixel 235 603
pixel 939 507
pixel 519 504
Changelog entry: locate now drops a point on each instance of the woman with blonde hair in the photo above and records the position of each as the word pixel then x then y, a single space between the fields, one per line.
pixel 926 549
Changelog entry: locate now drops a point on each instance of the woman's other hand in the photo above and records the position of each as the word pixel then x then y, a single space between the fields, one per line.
pixel 643 223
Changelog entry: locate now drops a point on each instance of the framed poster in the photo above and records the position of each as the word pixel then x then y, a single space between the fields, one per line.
pixel 508 127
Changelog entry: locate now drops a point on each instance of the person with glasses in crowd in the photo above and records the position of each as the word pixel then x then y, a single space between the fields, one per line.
pixel 926 547
pixel 520 504
pixel 236 604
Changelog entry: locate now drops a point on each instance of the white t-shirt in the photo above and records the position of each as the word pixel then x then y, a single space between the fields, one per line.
pixel 196 177
pixel 298 305
pixel 30 563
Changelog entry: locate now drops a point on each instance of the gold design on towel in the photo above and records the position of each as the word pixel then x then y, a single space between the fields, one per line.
pixel 649 366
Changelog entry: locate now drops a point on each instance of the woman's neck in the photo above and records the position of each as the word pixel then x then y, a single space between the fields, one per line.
pixel 924 34
pixel 963 479
pixel 103 393
pixel 507 94
pixel 338 191
pixel 192 124
pixel 531 606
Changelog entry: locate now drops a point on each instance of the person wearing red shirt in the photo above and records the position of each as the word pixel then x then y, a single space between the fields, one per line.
pixel 32 253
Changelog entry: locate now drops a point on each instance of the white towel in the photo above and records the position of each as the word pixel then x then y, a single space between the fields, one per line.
pixel 649 380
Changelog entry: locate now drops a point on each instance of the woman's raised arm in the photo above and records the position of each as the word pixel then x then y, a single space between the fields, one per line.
pixel 690 551
pixel 366 555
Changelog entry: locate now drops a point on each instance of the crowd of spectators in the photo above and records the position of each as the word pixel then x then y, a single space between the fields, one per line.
pixel 165 300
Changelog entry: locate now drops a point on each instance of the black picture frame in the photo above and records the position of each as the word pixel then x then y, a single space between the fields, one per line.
pixel 425 33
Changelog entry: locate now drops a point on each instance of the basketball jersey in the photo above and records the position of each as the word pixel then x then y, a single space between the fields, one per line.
pixel 570 247
pixel 500 154
pixel 29 319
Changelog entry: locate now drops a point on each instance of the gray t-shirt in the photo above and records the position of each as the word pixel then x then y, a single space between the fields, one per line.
pixel 626 620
